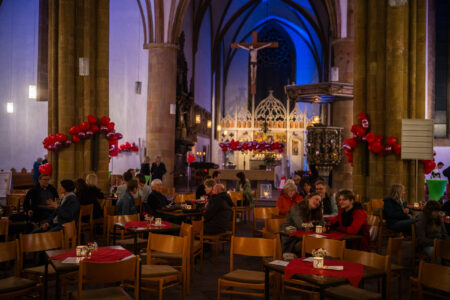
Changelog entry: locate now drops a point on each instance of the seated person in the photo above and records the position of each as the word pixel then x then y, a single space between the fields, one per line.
pixel 121 189
pixel 209 186
pixel 201 188
pixel 429 227
pixel 143 188
pixel 88 194
pixel 328 202
pixel 288 198
pixel 36 200
pixel 305 186
pixel 219 213
pixel 352 219
pixel 395 212
pixel 125 204
pixel 66 211
pixel 156 200
pixel 243 185
pixel 308 210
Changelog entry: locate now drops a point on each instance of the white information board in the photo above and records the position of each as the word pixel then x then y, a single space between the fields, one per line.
pixel 417 139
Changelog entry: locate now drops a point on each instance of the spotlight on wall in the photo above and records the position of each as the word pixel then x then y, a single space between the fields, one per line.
pixel 32 91
pixel 316 120
pixel 209 124
pixel 83 63
pixel 225 132
pixel 10 107
pixel 198 119
pixel 219 128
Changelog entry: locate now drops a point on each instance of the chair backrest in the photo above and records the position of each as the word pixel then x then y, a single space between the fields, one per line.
pixel 197 228
pixel 377 206
pixel 235 197
pixel 110 272
pixel 14 201
pixel 111 220
pixel 395 249
pixel 168 244
pixel 334 248
pixel 433 276
pixel 276 236
pixel 40 242
pixel 4 228
pixel 263 213
pixel 10 251
pixel 138 204
pixel 168 191
pixel 273 225
pixel 86 210
pixel 109 210
pixel 70 235
pixel 370 259
pixel 179 198
pixel 413 243
pixel 186 230
pixel 250 246
pixel 441 250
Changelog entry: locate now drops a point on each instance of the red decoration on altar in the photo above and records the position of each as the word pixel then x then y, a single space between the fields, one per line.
pixel 251 146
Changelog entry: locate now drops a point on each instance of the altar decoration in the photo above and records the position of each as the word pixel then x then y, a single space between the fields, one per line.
pixel 128 147
pixel 86 130
pixel 252 146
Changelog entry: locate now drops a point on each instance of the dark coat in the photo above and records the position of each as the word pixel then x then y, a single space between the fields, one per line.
pixel 300 213
pixel 90 196
pixel 393 211
pixel 67 211
pixel 158 171
pixel 426 232
pixel 32 202
pixel 219 214
pixel 155 201
pixel 145 169
pixel 200 191
pixel 125 205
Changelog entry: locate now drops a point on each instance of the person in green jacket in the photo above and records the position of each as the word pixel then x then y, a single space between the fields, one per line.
pixel 243 185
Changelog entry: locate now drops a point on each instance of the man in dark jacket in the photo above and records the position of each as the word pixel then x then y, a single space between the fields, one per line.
pixel 36 200
pixel 156 200
pixel 158 169
pixel 219 212
pixel 125 204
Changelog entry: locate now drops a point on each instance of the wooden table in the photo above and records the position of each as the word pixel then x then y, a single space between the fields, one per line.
pixel 136 230
pixel 323 282
pixel 347 237
pixel 179 213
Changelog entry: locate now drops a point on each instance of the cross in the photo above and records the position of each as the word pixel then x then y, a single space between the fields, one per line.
pixel 253 49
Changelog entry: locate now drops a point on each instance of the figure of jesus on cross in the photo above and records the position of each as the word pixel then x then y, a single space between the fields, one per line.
pixel 253 49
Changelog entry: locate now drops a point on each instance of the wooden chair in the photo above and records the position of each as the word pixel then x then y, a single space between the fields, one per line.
pixel 180 198
pixel 122 238
pixel 109 272
pixel 221 238
pixel 14 202
pixel 156 278
pixel 441 250
pixel 88 211
pixel 70 235
pixel 335 249
pixel 197 246
pixel 4 229
pixel 246 282
pixel 433 280
pixel 138 204
pixel 273 225
pixel 15 286
pixel 276 236
pixel 377 206
pixel 262 213
pixel 108 210
pixel 395 249
pixel 369 259
pixel 414 254
pixel 168 191
pixel 375 232
pixel 238 200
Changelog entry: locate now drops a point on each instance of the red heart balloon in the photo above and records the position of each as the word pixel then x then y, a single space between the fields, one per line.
pixel 92 119
pixel 74 130
pixel 370 137
pixel 105 120
pixel 84 126
pixel 94 128
pixel 111 126
pixel 76 139
pixel 397 149
pixel 45 169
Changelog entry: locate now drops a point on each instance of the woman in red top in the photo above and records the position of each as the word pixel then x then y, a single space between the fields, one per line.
pixel 288 198
pixel 352 219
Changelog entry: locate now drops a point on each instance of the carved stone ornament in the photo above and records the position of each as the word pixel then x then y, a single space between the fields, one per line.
pixel 396 3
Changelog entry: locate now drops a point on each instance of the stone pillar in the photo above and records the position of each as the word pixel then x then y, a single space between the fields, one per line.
pixel 389 84
pixel 78 28
pixel 160 129
pixel 343 108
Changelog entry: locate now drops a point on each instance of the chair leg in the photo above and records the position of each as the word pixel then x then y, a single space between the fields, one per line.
pixel 160 290
pixel 399 287
pixel 217 252
pixel 218 289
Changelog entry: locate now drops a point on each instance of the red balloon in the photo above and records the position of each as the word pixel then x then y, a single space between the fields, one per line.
pixel 74 130
pixel 76 139
pixel 111 126
pixel 224 148
pixel 135 149
pixel 84 126
pixel 370 137
pixel 361 117
pixel 280 150
pixel 61 137
pixel 391 141
pixel 397 149
pixel 351 143
pixel 94 128
pixel 45 169
pixel 105 120
pixel 190 158
pixel 376 147
pixel 92 119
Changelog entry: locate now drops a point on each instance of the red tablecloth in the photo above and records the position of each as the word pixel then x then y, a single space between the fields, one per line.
pixel 101 255
pixel 352 271
pixel 411 206
pixel 137 224
pixel 334 235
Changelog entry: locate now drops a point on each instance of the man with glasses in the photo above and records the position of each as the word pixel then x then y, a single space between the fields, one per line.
pixel 36 200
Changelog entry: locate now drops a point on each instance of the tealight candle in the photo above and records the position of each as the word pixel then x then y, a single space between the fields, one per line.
pixel 318 262
pixel 158 221
pixel 319 229
pixel 416 205
pixel 266 194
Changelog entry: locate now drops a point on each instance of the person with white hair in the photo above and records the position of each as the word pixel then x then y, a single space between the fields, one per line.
pixel 156 200
pixel 288 198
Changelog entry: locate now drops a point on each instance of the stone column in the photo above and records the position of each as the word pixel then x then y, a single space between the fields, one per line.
pixel 78 28
pixel 389 86
pixel 160 129
pixel 343 108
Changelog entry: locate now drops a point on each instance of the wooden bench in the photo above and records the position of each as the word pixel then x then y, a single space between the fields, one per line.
pixel 22 179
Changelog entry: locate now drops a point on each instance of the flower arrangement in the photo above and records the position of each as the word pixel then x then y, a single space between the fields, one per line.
pixel 307 226
pixel 252 146
pixel 320 252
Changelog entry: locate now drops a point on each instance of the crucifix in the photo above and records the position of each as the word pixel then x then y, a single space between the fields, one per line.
pixel 253 49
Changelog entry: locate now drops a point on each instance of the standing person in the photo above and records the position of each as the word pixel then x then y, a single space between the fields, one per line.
pixel 143 188
pixel 219 213
pixel 64 212
pixel 125 204
pixel 352 219
pixel 243 185
pixel 436 173
pixel 328 202
pixel 288 197
pixel 429 227
pixel 89 194
pixel 36 173
pixel 216 176
pixel 395 212
pixel 36 200
pixel 158 169
pixel 145 166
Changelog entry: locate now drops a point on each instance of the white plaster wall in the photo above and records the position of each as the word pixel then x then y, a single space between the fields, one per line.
pixel 128 62
pixel 22 132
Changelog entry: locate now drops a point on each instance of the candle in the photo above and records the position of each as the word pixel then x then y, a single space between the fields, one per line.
pixel 318 262
pixel 266 194
pixel 319 229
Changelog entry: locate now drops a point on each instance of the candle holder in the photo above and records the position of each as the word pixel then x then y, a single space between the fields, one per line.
pixel 318 262
pixel 319 229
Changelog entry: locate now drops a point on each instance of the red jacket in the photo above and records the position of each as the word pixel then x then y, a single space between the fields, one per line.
pixel 284 203
pixel 357 227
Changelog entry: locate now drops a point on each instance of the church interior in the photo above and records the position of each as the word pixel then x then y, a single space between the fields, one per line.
pixel 269 130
